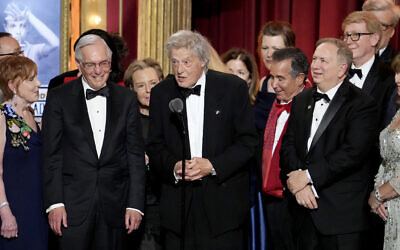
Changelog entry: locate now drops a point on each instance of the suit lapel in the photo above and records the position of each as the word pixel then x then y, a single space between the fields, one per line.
pixel 111 118
pixel 82 111
pixel 333 108
pixel 371 79
pixel 308 114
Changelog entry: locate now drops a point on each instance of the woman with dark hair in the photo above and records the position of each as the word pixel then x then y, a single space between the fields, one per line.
pixel 241 63
pixel 141 76
pixel 384 200
pixel 23 220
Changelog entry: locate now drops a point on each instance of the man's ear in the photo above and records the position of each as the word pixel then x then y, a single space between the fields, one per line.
pixel 342 70
pixel 300 78
pixel 374 40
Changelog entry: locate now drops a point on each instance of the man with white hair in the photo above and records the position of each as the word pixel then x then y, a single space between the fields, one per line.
pixel 221 139
pixel 93 156
pixel 388 15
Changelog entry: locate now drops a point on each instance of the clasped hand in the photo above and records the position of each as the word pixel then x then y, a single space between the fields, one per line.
pixel 195 169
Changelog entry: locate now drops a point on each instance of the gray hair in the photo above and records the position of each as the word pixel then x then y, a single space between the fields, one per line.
pixel 90 40
pixel 382 5
pixel 192 41
pixel 299 62
pixel 344 53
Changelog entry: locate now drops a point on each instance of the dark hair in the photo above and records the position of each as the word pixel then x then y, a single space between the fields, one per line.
pixel 13 67
pixel 139 65
pixel 278 28
pixel 248 60
pixel 4 34
pixel 117 71
pixel 299 61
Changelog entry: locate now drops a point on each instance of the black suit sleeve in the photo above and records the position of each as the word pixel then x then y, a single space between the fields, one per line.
pixel 135 152
pixel 52 124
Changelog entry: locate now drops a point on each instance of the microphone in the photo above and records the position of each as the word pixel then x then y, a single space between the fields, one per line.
pixel 176 106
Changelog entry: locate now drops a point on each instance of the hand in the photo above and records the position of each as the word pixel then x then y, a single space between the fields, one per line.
pixel 178 168
pixel 297 181
pixel 198 168
pixel 373 202
pixel 146 159
pixel 306 198
pixel 382 211
pixel 56 217
pixel 132 220
pixel 9 226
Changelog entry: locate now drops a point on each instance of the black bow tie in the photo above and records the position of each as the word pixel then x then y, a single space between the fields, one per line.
pixel 90 94
pixel 186 92
pixel 318 96
pixel 358 72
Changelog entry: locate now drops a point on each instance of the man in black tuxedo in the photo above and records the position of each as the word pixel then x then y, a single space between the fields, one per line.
pixel 221 139
pixel 362 33
pixel 387 14
pixel 325 154
pixel 93 156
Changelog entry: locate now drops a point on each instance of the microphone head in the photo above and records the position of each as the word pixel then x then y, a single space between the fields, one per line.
pixel 176 106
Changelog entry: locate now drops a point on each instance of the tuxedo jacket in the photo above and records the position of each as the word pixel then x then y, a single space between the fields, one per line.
pixel 388 54
pixel 338 159
pixel 380 84
pixel 229 141
pixel 73 173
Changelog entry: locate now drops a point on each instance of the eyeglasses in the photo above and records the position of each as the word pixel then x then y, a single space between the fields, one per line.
pixel 104 65
pixel 385 26
pixel 354 36
pixel 17 53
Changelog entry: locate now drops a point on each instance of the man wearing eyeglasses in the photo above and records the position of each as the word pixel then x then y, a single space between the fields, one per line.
pixel 93 155
pixel 388 15
pixel 362 33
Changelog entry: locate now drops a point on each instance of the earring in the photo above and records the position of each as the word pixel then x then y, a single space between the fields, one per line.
pixel 15 99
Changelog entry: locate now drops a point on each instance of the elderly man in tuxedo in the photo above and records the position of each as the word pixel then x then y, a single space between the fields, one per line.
pixel 288 74
pixel 221 139
pixel 388 15
pixel 325 154
pixel 93 156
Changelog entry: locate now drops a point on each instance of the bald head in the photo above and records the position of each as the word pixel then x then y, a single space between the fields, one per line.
pixel 9 46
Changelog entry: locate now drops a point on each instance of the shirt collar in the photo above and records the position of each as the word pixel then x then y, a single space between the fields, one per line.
pixel 366 66
pixel 380 52
pixel 331 93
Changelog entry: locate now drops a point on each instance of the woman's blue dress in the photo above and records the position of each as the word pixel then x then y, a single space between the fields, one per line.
pixel 23 186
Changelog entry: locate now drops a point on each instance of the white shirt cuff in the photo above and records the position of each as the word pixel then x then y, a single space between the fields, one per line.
pixel 54 206
pixel 177 177
pixel 140 212
pixel 312 186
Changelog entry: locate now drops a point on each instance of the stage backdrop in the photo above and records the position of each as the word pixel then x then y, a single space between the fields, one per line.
pixel 236 23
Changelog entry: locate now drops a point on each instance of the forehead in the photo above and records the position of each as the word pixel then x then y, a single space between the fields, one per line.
pixel 148 73
pixel 356 27
pixel 182 53
pixel 236 63
pixel 326 50
pixel 94 52
pixel 275 40
pixel 282 67
pixel 384 16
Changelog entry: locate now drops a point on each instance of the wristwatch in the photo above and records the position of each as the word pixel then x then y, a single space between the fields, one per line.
pixel 213 172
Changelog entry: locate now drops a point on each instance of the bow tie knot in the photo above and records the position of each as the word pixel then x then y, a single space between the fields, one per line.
pixel 186 92
pixel 353 71
pixel 318 96
pixel 90 94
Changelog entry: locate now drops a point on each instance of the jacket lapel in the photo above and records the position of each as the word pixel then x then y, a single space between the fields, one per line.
pixel 111 118
pixel 308 114
pixel 82 111
pixel 333 108
pixel 371 79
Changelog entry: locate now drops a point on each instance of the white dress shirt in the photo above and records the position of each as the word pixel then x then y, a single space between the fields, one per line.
pixel 97 110
pixel 319 111
pixel 280 125
pixel 380 52
pixel 365 68
pixel 195 118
